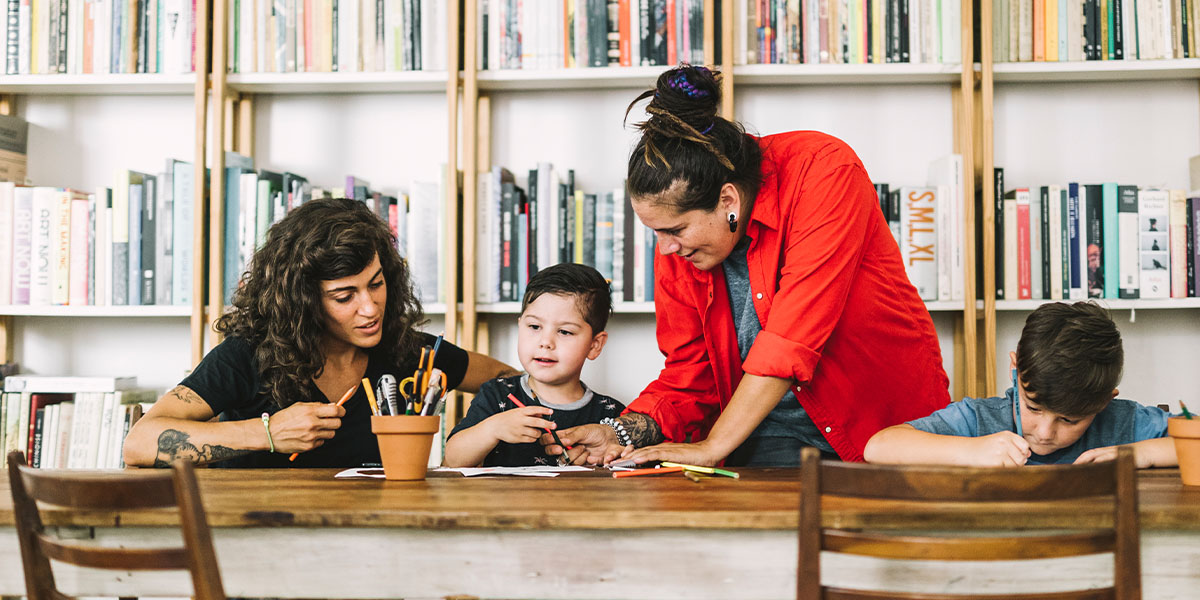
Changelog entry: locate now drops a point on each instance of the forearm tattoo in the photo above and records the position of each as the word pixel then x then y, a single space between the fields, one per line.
pixel 643 430
pixel 174 444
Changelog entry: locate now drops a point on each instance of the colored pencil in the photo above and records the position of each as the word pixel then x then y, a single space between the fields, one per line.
pixel 699 469
pixel 650 471
pixel 349 394
pixel 370 396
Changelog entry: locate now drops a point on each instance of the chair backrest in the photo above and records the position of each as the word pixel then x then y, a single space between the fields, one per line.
pixel 909 485
pixel 94 491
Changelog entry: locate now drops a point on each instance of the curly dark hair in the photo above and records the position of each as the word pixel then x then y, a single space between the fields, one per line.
pixel 1070 357
pixel 684 140
pixel 277 306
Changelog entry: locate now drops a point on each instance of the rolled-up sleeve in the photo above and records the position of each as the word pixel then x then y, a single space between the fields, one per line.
pixel 826 237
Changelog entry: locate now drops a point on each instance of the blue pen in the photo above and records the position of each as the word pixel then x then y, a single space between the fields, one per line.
pixel 1016 405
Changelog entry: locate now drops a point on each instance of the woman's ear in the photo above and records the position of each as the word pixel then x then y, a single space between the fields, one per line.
pixel 730 199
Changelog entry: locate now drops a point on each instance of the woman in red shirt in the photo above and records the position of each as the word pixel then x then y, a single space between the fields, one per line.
pixel 782 304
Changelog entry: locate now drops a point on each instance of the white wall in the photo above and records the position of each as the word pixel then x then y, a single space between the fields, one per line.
pixel 1134 133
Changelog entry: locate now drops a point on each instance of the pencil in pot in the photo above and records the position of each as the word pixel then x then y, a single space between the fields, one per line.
pixel 349 394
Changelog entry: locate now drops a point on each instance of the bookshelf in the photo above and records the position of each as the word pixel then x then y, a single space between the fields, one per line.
pixel 83 129
pixel 1131 121
pixel 388 127
pixel 568 105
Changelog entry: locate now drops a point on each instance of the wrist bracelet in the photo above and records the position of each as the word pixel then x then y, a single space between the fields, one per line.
pixel 619 428
pixel 266 419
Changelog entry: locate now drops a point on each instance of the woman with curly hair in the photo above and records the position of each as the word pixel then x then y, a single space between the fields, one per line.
pixel 325 302
pixel 781 300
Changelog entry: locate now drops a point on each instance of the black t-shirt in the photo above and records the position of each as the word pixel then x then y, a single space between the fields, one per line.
pixel 229 381
pixel 493 399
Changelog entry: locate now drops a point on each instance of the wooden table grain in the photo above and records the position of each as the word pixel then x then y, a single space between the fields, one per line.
pixel 302 533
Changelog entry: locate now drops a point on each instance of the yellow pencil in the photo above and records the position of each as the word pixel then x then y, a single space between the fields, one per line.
pixel 370 396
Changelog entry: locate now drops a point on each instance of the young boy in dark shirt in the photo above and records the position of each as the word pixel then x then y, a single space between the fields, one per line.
pixel 563 315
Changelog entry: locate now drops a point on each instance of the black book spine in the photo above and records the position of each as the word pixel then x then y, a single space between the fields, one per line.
pixel 998 238
pixel 589 230
pixel 1045 235
pixel 531 211
pixel 507 276
pixel 38 424
pixel 904 25
pixel 645 31
pixel 563 196
pixel 1094 230
pixel 1118 25
pixel 1191 248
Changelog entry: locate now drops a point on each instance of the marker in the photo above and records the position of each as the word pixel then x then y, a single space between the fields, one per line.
pixel 349 394
pixel 651 471
pixel 1186 414
pixel 552 433
pixel 699 469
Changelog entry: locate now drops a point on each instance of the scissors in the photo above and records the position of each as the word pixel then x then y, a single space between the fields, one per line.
pixel 411 389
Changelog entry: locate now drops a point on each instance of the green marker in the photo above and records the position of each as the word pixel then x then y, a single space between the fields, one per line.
pixel 1186 414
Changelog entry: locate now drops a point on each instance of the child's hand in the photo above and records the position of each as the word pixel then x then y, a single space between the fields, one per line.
pixel 519 425
pixel 1001 449
pixel 1104 454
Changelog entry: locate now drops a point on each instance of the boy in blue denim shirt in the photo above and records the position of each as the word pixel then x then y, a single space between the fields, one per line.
pixel 1065 372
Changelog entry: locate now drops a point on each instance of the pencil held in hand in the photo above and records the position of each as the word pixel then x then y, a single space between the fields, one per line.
pixel 349 394
pixel 552 433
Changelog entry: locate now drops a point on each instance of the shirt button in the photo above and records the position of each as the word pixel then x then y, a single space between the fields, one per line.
pixel 828 429
pixel 758 295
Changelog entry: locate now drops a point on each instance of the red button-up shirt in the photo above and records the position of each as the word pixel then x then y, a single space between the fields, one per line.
pixel 839 315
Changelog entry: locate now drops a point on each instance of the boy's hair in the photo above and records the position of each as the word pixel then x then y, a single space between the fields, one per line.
pixel 1070 357
pixel 591 291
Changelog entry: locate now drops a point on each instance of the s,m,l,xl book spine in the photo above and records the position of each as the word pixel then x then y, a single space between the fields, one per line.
pixel 918 239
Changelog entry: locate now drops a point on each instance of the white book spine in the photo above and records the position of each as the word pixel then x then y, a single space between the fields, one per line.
pixel 1010 248
pixel 943 260
pixel 1178 215
pixel 1155 261
pixel 41 284
pixel 1056 255
pixel 1035 244
pixel 547 213
pixel 7 190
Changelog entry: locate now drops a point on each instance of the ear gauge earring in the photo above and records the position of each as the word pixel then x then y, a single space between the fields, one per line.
pixel 732 222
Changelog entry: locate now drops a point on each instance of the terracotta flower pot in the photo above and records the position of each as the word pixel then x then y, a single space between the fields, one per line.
pixel 404 444
pixel 1186 433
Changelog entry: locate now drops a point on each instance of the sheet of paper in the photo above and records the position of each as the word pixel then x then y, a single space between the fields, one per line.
pixel 536 471
pixel 373 472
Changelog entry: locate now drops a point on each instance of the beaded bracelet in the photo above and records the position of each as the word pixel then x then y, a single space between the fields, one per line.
pixel 266 419
pixel 619 428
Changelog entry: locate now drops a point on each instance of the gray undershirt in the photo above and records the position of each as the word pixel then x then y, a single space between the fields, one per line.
pixel 788 418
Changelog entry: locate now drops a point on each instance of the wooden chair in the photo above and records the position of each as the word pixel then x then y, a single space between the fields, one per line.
pixel 81 491
pixel 914 484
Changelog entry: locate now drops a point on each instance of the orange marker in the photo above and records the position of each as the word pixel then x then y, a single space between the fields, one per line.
pixel 349 394
pixel 652 471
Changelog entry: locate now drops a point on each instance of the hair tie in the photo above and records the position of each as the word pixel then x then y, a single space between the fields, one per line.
pixel 680 82
pixel 708 129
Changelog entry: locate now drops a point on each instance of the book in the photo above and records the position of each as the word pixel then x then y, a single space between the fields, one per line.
pixel 1094 244
pixel 918 233
pixel 14 145
pixel 1177 214
pixel 1110 247
pixel 49 384
pixel 1154 256
pixel 1127 240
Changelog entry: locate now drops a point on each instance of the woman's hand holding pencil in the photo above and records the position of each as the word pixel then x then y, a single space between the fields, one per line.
pixel 306 425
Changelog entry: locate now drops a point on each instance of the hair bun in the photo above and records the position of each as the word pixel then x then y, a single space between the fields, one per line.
pixel 689 92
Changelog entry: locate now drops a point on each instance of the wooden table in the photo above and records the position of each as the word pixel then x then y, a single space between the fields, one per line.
pixel 303 534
